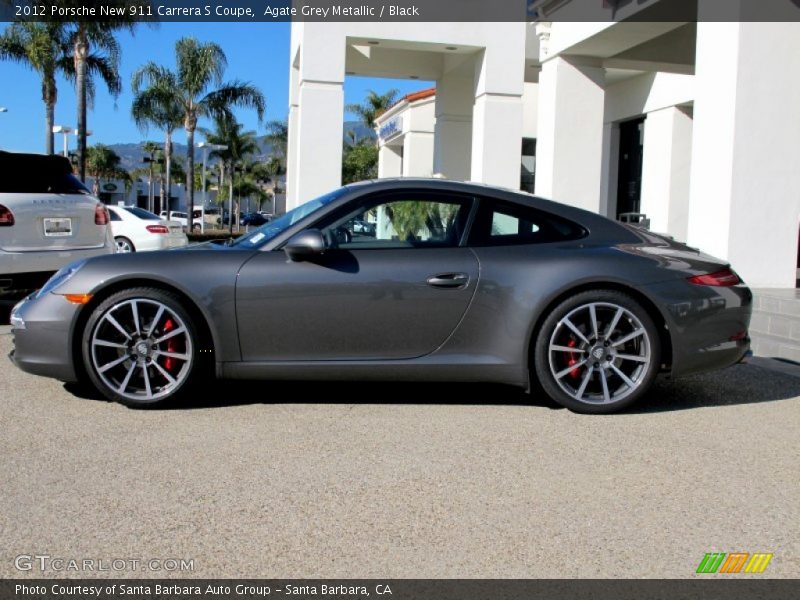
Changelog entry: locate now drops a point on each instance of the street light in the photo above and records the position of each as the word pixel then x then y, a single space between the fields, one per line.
pixel 65 131
pixel 151 190
pixel 206 146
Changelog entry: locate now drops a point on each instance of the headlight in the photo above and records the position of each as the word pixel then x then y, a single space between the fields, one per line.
pixel 60 278
pixel 16 321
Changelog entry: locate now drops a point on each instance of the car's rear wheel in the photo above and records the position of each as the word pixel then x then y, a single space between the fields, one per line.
pixel 140 347
pixel 597 352
pixel 124 245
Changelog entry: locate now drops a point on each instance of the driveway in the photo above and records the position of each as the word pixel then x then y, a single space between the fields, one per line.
pixel 373 481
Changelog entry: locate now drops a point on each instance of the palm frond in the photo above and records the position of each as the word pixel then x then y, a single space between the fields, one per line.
pixel 235 93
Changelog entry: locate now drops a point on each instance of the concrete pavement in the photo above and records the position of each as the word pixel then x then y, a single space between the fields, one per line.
pixel 484 483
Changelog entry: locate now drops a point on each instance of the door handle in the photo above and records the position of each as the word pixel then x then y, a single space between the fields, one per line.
pixel 448 280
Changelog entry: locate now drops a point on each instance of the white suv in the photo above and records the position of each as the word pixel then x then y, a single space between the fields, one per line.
pixel 47 220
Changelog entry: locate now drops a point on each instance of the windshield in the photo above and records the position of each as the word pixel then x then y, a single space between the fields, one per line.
pixel 259 237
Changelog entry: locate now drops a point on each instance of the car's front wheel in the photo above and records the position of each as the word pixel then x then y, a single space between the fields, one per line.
pixel 597 352
pixel 140 347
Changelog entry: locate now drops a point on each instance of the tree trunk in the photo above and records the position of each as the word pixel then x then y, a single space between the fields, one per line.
pixel 167 174
pixel 230 201
pixel 49 97
pixel 81 51
pixel 50 118
pixel 190 178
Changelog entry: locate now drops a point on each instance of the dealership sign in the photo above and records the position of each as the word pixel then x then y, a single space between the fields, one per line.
pixel 391 128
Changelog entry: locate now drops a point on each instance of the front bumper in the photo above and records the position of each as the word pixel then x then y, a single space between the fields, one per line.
pixel 42 335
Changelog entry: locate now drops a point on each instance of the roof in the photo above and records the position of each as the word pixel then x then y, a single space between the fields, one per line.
pixel 420 95
pixel 19 163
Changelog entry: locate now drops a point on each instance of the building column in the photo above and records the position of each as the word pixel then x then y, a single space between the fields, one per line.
pixel 316 111
pixel 417 154
pixel 453 129
pixel 389 162
pixel 569 149
pixel 744 204
pixel 317 140
pixel 497 112
pixel 666 169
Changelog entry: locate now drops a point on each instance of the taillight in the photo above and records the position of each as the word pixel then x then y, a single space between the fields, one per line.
pixel 101 216
pixel 158 229
pixel 6 217
pixel 723 278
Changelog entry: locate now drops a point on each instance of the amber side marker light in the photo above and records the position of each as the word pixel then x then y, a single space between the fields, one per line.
pixel 78 298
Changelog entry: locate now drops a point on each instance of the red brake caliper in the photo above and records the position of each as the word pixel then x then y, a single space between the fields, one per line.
pixel 169 362
pixel 572 360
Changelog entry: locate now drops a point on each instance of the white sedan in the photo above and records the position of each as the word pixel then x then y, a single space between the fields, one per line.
pixel 183 218
pixel 137 230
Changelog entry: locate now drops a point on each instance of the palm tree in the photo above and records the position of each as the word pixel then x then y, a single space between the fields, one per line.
pixel 278 137
pixel 103 163
pixel 373 106
pixel 44 48
pixel 239 146
pixel 200 66
pixel 94 42
pixel 152 107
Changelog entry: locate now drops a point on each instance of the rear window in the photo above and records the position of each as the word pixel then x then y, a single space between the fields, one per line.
pixel 508 224
pixel 41 183
pixel 142 213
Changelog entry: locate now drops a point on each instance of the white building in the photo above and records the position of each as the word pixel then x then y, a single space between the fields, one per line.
pixel 695 124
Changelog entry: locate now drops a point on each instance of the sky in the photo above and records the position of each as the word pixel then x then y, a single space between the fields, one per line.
pixel 256 52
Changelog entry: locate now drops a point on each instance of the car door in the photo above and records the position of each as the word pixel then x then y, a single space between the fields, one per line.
pixel 395 291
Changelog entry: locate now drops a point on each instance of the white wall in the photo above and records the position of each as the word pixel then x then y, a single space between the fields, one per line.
pixel 745 188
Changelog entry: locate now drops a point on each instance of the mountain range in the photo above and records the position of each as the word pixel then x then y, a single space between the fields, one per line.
pixel 131 154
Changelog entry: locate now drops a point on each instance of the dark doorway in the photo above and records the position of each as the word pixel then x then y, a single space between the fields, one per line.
pixel 527 180
pixel 631 151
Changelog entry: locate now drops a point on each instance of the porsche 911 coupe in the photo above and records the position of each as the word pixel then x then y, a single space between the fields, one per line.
pixel 458 283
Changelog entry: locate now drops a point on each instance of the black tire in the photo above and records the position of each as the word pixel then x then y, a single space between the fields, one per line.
pixel 161 313
pixel 592 378
pixel 122 240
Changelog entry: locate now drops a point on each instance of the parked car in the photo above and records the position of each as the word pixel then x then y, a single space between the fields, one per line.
pixel 225 219
pixel 47 219
pixel 363 227
pixel 183 218
pixel 254 219
pixel 136 229
pixel 465 283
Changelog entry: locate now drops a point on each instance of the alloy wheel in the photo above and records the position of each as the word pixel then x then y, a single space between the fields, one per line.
pixel 124 246
pixel 599 353
pixel 142 350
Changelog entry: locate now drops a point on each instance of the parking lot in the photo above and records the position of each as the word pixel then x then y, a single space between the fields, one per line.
pixel 369 481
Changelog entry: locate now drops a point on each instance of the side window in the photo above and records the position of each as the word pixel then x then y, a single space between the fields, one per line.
pixel 114 216
pixel 401 221
pixel 503 224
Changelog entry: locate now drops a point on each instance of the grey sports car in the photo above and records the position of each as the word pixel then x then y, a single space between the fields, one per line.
pixel 455 282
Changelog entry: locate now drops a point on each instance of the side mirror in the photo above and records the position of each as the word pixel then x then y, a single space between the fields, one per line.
pixel 305 245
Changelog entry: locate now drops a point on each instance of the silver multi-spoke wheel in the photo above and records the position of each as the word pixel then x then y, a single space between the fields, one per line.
pixel 141 349
pixel 599 353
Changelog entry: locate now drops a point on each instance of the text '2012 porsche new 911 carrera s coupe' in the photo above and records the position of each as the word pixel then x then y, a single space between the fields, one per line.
pixel 414 280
